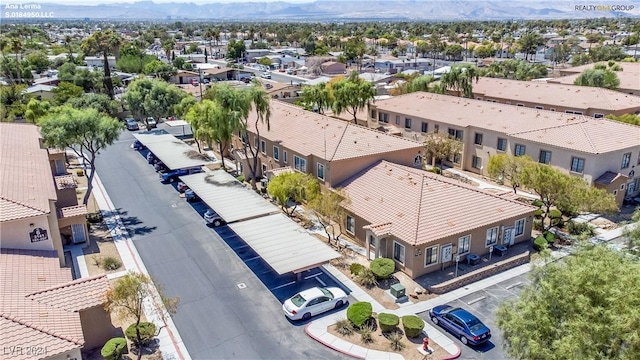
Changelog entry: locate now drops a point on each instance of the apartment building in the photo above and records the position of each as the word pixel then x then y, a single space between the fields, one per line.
pixel 38 205
pixel 629 76
pixel 573 99
pixel 577 144
pixel 330 149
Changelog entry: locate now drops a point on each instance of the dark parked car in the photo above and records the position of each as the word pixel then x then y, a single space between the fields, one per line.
pixel 151 158
pixel 132 124
pixel 461 323
pixel 159 166
pixel 137 145
pixel 182 187
pixel 173 175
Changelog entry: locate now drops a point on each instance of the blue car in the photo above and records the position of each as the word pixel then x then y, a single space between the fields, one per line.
pixel 461 323
pixel 137 145
pixel 173 175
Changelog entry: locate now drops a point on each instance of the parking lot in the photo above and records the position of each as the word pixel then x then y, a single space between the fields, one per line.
pixel 484 304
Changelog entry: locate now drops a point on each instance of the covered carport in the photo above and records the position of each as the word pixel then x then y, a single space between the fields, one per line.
pixel 177 123
pixel 279 241
pixel 173 152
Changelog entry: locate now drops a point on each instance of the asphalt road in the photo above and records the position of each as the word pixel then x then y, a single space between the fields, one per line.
pixel 226 311
pixel 484 304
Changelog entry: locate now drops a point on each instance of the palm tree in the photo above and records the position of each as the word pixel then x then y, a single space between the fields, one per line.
pixel 67 43
pixel 104 42
pixel 16 46
pixel 209 35
pixel 317 95
pixel 460 79
pixel 260 102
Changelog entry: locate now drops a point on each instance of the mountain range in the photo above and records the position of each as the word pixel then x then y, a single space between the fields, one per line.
pixel 324 10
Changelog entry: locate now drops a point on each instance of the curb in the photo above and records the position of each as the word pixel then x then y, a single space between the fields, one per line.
pixel 454 356
pixel 329 345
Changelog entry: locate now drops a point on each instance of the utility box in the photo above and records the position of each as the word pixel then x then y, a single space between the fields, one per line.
pixel 397 290
pixel 473 259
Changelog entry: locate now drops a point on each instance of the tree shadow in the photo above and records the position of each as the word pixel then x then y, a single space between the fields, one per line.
pixel 133 224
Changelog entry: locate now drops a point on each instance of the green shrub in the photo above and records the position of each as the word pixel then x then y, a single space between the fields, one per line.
pixel 356 268
pixel 555 214
pixel 241 178
pixel 396 341
pixel 412 325
pixel 366 277
pixel 147 333
pixel 94 218
pixel 111 263
pixel 388 322
pixel 538 213
pixel 435 170
pixel 359 313
pixel 540 243
pixel 114 349
pixel 80 172
pixel 382 267
pixel 537 203
pixel 550 237
pixel 344 327
pixel 576 228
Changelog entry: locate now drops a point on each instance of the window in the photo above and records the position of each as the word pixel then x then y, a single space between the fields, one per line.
pixel 479 98
pixel 276 153
pixel 626 159
pixel 540 107
pixel 478 139
pixel 373 114
pixel 255 142
pixel 263 147
pixel 476 162
pixel 573 112
pixel 397 119
pixel 492 236
pixel 300 164
pixel 598 116
pixel 457 134
pixel 577 165
pixel 502 144
pixel 519 227
pixel 264 168
pixel 464 244
pixel 351 224
pixel 520 150
pixel 436 128
pixel 407 123
pixel 519 104
pixel 398 252
pixel 424 127
pixel 382 117
pixel 553 109
pixel 431 256
pixel 457 158
pixel 321 171
pixel 615 192
pixel 285 157
pixel 545 157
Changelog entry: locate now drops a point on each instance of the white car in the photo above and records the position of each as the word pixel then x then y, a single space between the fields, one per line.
pixel 313 301
pixel 266 75
pixel 211 218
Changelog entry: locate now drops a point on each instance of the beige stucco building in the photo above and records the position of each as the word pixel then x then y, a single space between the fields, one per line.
pixel 423 220
pixel 629 76
pixel 579 145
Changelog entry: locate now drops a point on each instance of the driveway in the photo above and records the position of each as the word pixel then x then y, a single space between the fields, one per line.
pixel 484 304
pixel 225 309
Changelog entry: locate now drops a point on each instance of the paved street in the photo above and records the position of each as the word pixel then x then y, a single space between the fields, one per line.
pixel 225 310
pixel 484 304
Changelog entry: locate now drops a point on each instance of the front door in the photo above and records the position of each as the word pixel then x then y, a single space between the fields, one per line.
pixel 78 233
pixel 508 236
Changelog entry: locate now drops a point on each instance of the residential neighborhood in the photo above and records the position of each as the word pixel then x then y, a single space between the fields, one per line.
pixel 235 183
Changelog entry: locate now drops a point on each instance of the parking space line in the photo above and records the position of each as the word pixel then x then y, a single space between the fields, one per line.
pixel 321 282
pixel 476 300
pixel 283 285
pixel 513 285
pixel 312 276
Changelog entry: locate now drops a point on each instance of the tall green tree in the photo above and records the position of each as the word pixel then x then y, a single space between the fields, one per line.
pixel 604 78
pixel 352 94
pixel 632 119
pixel 328 206
pixel 100 102
pixel 530 42
pixel 460 79
pixel 127 296
pixel 440 146
pixel 632 233
pixel 85 131
pixel 151 97
pixel 212 123
pixel 509 169
pixel 36 109
pixel 317 96
pixel 586 306
pixel 104 42
pixel 292 189
pixel 66 91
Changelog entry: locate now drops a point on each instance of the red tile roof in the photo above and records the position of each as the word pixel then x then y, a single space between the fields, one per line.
pixel 40 302
pixel 332 139
pixel 26 184
pixel 71 211
pixel 419 207
pixel 608 177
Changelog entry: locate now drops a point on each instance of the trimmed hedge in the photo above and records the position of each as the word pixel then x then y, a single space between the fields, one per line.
pixel 388 322
pixel 383 267
pixel 537 203
pixel 412 325
pixel 555 214
pixel 359 313
pixel 114 349
pixel 356 268
pixel 538 213
pixel 550 237
pixel 540 243
pixel 147 333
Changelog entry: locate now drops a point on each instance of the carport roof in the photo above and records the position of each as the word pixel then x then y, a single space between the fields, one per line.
pixel 173 152
pixel 227 196
pixel 283 244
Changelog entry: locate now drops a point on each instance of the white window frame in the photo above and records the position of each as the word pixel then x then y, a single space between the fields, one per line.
pixel 578 159
pixel 598 115
pixel 403 253
pixel 517 227
pixel 539 107
pixel 318 167
pixel 626 160
pixel 276 153
pixel 298 164
pixel 285 157
pixel 516 147
pixel 476 162
pixel 434 255
pixel 545 152
pixel 461 247
pixel 506 145
pixel 407 123
pixel 478 136
pixel 350 229
pixel 263 147
pixel 492 237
